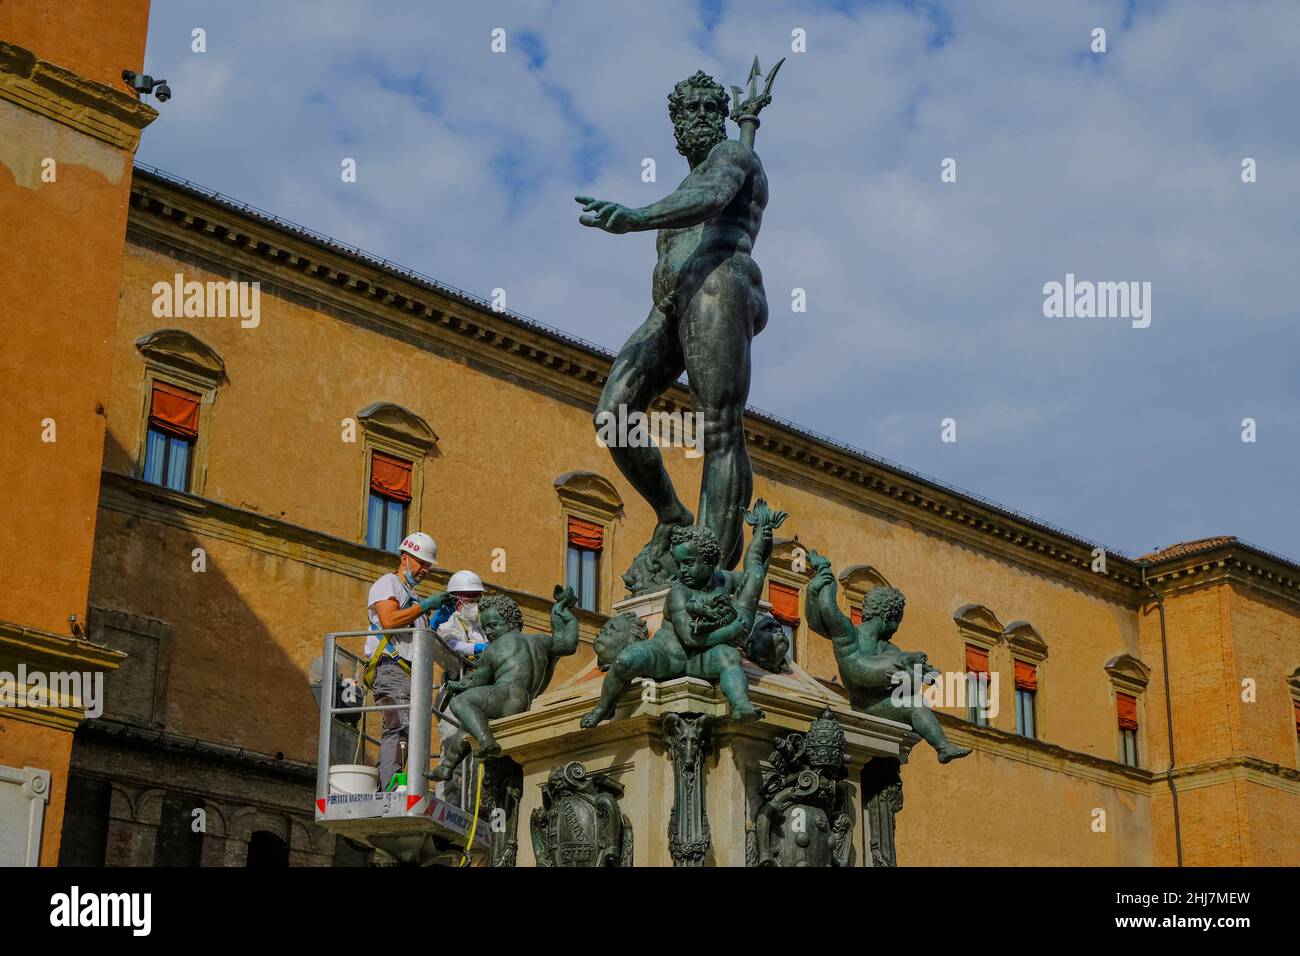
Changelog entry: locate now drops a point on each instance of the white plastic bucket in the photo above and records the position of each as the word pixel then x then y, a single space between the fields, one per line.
pixel 353 778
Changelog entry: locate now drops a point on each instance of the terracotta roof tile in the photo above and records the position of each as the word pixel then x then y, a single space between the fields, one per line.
pixel 1184 548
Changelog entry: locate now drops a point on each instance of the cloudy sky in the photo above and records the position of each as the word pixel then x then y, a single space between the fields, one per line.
pixel 924 298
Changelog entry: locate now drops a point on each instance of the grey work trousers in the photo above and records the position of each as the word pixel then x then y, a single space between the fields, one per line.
pixel 392 686
pixel 449 736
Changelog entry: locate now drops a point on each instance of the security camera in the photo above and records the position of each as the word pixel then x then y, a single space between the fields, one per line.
pixel 146 84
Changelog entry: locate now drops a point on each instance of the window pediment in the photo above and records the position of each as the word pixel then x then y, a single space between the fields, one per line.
pixel 861 578
pixel 178 348
pixel 790 555
pixel 976 620
pixel 589 492
pixel 1128 673
pixel 398 424
pixel 1025 641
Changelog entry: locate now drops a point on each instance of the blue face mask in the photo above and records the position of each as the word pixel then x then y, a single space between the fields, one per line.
pixel 410 579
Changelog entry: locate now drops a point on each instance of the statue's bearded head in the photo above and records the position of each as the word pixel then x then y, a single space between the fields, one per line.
pixel 698 108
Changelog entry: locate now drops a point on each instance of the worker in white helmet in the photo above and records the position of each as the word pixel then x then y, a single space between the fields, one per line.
pixel 462 633
pixel 393 604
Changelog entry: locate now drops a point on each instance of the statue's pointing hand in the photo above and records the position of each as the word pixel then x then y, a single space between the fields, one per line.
pixel 606 214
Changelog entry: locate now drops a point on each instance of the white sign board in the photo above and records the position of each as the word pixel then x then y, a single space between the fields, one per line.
pixel 23 795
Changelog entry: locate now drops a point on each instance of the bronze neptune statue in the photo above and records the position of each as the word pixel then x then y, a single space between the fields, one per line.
pixel 708 306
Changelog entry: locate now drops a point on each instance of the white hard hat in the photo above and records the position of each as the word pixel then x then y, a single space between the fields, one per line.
pixel 463 581
pixel 420 545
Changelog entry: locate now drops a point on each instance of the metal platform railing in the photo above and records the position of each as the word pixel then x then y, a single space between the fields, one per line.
pixel 409 823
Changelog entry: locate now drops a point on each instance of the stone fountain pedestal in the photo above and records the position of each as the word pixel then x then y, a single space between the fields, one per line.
pixel 633 749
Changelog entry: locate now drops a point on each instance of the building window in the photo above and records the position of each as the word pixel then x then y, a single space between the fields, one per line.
pixel 977 684
pixel 1126 709
pixel 1026 694
pixel 582 561
pixel 390 497
pixel 173 432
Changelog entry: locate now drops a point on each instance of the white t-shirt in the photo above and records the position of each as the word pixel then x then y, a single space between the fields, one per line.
pixel 392 586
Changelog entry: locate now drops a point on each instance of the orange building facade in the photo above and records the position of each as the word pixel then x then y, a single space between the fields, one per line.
pixel 69 128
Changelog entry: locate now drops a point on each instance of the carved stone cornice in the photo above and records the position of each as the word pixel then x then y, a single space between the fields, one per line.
pixel 376 293
pixel 1241 767
pixel 1071 763
pixel 109 115
pixel 50 653
pixel 1232 562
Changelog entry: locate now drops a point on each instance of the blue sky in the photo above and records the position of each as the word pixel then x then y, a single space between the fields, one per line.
pixel 924 298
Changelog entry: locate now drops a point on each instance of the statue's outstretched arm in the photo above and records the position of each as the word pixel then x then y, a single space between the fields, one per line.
pixel 824 614
pixel 764 520
pixel 704 193
pixel 564 625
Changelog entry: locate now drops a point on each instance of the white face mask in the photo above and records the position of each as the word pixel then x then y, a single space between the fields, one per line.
pixel 469 612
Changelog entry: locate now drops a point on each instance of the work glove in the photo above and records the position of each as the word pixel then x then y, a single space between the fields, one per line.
pixel 479 648
pixel 441 599
pixel 442 616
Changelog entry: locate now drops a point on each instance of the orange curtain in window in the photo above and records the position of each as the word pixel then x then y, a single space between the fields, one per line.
pixel 977 660
pixel 586 534
pixel 1127 707
pixel 390 477
pixel 1026 676
pixel 785 602
pixel 855 615
pixel 174 411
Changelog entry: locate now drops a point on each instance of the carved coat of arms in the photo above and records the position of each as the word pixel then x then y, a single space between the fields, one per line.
pixel 579 822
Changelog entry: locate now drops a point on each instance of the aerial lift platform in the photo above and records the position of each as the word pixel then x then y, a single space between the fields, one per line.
pixel 410 824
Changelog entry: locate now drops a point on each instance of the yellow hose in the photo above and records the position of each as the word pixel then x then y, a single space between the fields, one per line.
pixel 473 828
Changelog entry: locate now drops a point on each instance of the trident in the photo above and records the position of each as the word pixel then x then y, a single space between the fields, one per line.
pixel 745 113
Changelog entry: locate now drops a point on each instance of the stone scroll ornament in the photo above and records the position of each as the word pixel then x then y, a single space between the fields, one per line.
pixel 708 304
pixel 688 740
pixel 579 823
pixel 806 817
